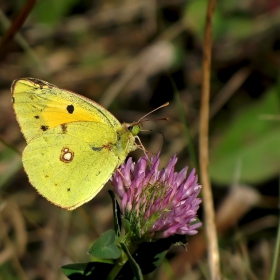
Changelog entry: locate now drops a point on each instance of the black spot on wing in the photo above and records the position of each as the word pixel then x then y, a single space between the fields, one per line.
pixel 41 83
pixel 36 117
pixel 97 149
pixel 70 109
pixel 63 128
pixel 44 127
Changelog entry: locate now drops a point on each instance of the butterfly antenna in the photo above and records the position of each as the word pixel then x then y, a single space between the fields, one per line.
pixel 159 119
pixel 140 145
pixel 162 106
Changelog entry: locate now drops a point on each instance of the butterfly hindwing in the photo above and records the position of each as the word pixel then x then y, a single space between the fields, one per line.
pixel 71 168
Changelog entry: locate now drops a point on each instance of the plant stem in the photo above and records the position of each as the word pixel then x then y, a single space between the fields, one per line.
pixel 118 266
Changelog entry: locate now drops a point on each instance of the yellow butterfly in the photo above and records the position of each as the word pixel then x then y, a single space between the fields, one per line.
pixel 73 144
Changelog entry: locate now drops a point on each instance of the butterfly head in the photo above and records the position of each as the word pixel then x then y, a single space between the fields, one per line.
pixel 134 128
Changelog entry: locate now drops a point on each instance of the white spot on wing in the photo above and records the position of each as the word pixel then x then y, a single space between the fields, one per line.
pixel 66 155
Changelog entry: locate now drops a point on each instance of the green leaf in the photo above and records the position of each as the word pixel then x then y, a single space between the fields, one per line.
pixel 105 247
pixel 135 267
pixel 10 163
pixel 149 256
pixel 51 12
pixel 249 145
pixel 227 25
pixel 116 214
pixel 195 16
pixel 91 270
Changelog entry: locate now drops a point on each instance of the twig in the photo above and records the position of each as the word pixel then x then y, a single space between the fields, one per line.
pixel 209 213
pixel 17 23
pixel 277 249
pixel 13 33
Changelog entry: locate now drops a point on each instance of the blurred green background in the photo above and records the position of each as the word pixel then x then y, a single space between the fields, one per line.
pixel 128 55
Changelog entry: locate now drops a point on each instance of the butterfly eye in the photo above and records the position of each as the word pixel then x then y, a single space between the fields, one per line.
pixel 135 129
